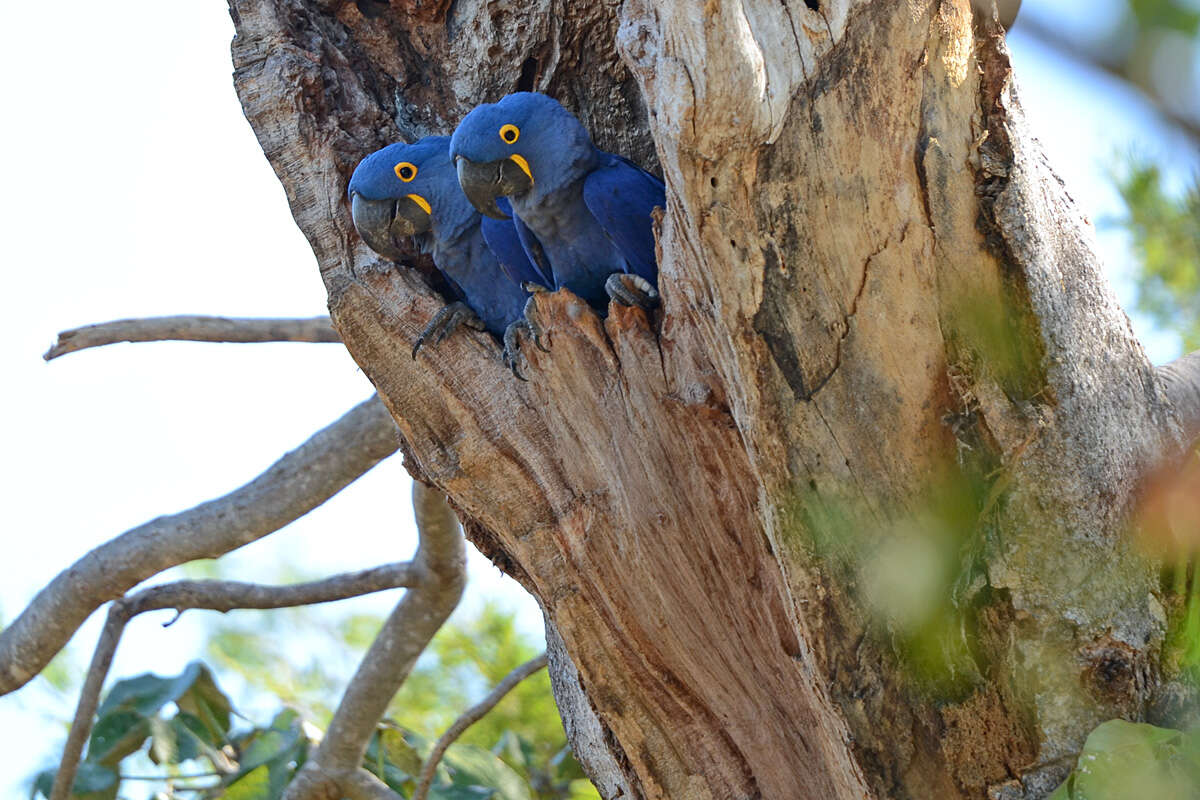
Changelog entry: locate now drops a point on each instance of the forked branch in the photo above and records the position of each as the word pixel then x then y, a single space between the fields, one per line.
pixel 190 328
pixel 215 596
pixel 440 564
pixel 291 487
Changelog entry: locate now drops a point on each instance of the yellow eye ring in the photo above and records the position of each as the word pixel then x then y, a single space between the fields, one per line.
pixel 510 133
pixel 406 171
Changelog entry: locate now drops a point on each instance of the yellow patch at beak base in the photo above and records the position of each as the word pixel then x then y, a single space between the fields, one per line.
pixel 421 201
pixel 523 164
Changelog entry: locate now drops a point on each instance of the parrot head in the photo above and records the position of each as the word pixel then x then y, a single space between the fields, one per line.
pixel 407 190
pixel 525 143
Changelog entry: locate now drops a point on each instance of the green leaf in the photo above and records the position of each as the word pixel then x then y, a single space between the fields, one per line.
pixel 454 791
pixel 472 765
pixel 582 789
pixel 116 735
pixel 193 691
pixel 566 768
pixel 91 780
pixel 399 752
pixel 173 741
pixel 1128 759
pixel 254 785
pixel 193 728
pixel 265 746
pixel 43 783
pixel 392 759
pixel 205 701
pixel 1063 792
pixel 516 751
pixel 147 693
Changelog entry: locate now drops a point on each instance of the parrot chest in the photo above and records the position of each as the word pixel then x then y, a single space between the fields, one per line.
pixel 471 267
pixel 581 254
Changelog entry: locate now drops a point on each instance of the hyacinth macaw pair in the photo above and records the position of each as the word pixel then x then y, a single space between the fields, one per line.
pixel 582 217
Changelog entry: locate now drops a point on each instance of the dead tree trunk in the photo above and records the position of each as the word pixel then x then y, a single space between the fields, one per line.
pixel 883 319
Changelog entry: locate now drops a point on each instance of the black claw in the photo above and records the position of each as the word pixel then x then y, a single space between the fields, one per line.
pixel 535 333
pixel 512 343
pixel 446 321
pixel 530 323
pixel 631 290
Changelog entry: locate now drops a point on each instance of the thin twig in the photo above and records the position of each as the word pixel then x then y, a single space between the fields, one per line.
pixel 89 701
pixel 469 718
pixel 294 485
pixel 190 328
pixel 334 769
pixel 230 595
pixel 211 595
pixel 195 777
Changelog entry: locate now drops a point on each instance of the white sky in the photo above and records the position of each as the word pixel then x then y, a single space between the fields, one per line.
pixel 132 186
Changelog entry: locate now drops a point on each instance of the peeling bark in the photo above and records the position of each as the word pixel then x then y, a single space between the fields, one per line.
pixel 873 285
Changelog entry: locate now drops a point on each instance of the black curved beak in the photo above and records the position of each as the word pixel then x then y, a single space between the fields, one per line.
pixel 482 183
pixel 382 222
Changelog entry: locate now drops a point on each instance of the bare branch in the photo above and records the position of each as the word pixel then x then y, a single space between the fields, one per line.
pixel 190 328
pixel 469 718
pixel 214 596
pixel 325 784
pixel 1181 383
pixel 230 595
pixel 362 785
pixel 89 701
pixel 291 487
pixel 441 569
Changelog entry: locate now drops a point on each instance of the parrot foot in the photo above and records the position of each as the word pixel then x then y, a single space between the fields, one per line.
pixel 631 290
pixel 447 321
pixel 532 326
pixel 512 343
pixel 533 287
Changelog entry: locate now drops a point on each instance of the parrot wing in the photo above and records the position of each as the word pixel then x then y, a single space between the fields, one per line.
pixel 504 239
pixel 621 196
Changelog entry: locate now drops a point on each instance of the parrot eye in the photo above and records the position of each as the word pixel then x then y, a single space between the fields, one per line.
pixel 510 133
pixel 406 171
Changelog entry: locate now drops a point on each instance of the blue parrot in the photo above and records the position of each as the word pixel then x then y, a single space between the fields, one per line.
pixel 412 190
pixel 582 215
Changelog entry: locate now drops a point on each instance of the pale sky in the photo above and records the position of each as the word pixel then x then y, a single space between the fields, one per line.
pixel 134 187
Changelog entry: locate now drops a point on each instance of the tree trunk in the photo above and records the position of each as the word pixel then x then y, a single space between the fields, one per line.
pixel 885 345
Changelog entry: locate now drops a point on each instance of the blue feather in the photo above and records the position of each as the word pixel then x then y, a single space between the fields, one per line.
pixel 487 279
pixel 621 196
pixel 587 212
pixel 507 239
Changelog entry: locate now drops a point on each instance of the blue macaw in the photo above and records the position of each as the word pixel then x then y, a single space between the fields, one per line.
pixel 412 190
pixel 583 215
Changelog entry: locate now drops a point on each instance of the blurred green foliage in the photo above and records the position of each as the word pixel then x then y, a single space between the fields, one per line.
pixel 1166 237
pixel 921 573
pixel 470 655
pixel 184 735
pixel 1177 15
pixel 1122 760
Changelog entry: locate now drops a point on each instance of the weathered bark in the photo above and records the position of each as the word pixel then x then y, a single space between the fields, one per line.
pixel 875 291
